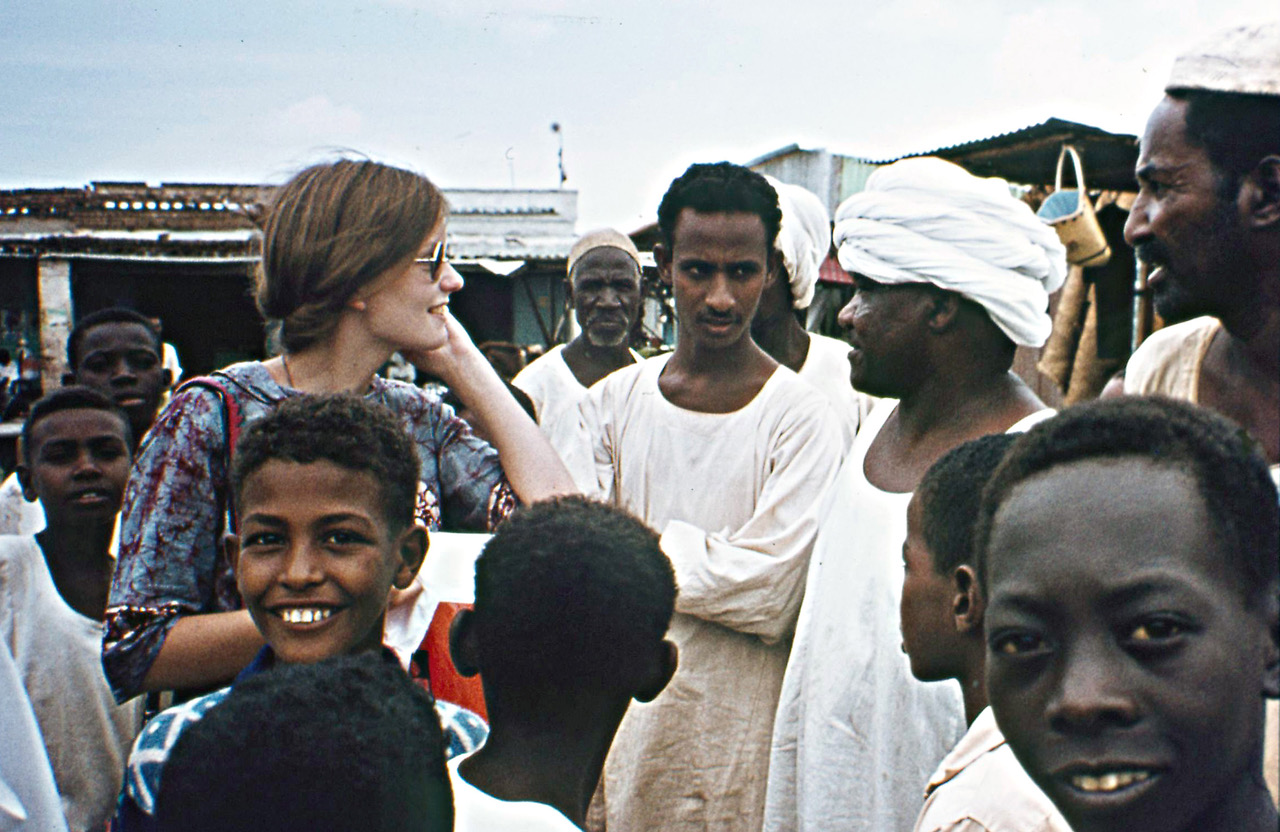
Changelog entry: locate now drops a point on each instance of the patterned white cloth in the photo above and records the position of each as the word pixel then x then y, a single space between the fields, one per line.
pixel 926 220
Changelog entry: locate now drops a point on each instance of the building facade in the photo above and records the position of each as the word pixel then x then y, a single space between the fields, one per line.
pixel 186 254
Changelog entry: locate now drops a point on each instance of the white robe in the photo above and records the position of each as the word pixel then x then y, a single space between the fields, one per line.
pixel 552 386
pixel 58 651
pixel 826 367
pixel 28 796
pixel 735 497
pixel 556 392
pixel 17 516
pixel 856 735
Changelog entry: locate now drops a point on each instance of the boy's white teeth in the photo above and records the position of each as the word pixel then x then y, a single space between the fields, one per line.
pixel 1109 782
pixel 305 616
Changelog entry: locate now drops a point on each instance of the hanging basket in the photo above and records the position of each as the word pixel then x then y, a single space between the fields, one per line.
pixel 1071 214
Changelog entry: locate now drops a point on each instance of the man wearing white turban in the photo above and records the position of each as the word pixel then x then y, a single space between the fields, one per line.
pixel 952 272
pixel 804 238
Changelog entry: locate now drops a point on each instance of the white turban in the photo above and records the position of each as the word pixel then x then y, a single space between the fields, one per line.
pixel 804 238
pixel 925 220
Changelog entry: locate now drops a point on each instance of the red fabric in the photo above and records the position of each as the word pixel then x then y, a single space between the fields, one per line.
pixel 446 683
pixel 831 272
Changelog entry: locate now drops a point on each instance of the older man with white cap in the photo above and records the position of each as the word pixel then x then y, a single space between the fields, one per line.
pixel 952 273
pixel 804 238
pixel 604 277
pixel 1207 217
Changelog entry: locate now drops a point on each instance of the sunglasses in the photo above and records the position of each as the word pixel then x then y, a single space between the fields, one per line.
pixel 436 262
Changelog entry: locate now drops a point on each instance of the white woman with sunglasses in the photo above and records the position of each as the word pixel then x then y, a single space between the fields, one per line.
pixel 354 269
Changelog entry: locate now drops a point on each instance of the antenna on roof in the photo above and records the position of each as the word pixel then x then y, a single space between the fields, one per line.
pixel 555 128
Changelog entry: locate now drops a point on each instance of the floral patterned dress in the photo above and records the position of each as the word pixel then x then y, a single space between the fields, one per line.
pixel 171 562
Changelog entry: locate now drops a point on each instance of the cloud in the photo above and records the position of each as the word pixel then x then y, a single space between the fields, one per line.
pixel 316 120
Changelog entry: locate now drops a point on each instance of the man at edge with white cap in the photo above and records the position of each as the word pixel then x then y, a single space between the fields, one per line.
pixel 1207 217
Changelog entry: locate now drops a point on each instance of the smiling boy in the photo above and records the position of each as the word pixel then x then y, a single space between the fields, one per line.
pixel 325 489
pixel 53 595
pixel 1128 655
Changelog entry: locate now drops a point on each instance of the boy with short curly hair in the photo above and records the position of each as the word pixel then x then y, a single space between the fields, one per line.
pixel 325 489
pixel 1128 554
pixel 53 594
pixel 979 784
pixel 346 744
pixel 573 600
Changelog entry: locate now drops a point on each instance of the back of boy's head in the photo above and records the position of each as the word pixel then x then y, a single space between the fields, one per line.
pixel 76 397
pixel 343 429
pixel 1225 463
pixel 113 315
pixel 347 744
pixel 949 495
pixel 571 594
pixel 720 188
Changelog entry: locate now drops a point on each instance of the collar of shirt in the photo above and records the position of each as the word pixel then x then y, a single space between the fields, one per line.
pixel 982 737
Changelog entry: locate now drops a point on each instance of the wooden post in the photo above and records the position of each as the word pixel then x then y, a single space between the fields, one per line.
pixel 54 286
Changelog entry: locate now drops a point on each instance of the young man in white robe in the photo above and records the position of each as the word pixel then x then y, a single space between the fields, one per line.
pixel 804 238
pixel 605 287
pixel 726 454
pixel 952 273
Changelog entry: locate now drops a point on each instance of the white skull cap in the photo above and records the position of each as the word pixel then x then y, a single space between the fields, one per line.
pixel 1243 59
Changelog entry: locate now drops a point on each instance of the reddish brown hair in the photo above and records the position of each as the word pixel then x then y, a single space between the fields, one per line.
pixel 332 229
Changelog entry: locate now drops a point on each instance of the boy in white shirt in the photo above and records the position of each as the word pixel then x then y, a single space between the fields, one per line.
pixel 53 595
pixel 979 786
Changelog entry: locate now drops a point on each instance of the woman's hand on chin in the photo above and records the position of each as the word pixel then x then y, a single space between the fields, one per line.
pixel 455 357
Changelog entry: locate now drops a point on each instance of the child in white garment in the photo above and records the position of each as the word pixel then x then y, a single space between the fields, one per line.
pixel 53 595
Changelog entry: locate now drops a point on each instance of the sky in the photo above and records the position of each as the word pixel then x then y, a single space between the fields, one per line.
pixel 466 91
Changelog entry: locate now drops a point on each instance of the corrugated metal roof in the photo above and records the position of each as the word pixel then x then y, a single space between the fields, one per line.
pixel 219 245
pixel 1029 156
